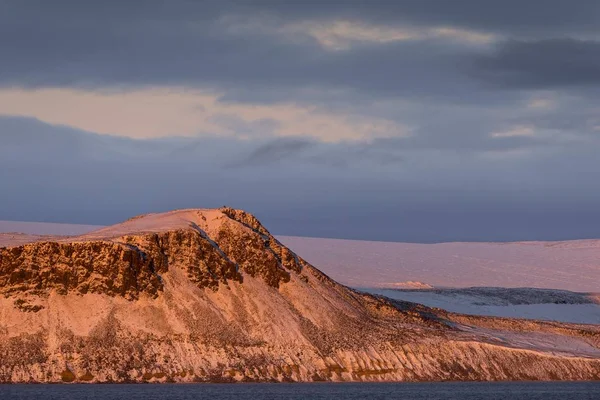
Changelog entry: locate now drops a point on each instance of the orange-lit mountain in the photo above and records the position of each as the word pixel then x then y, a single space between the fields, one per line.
pixel 211 295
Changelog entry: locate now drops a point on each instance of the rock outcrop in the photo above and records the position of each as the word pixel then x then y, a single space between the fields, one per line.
pixel 211 295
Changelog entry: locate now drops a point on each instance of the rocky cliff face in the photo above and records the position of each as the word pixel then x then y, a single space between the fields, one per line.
pixel 211 295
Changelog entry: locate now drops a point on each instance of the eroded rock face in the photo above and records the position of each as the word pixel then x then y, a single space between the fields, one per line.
pixel 285 257
pixel 205 263
pixel 211 295
pixel 252 253
pixel 89 267
pixel 129 265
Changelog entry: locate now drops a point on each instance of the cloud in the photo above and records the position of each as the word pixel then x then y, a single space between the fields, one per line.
pixel 176 111
pixel 212 46
pixel 274 152
pixel 543 101
pixel 342 34
pixel 227 43
pixel 542 64
pixel 537 17
pixel 515 132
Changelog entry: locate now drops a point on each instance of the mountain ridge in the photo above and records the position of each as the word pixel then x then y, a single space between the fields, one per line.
pixel 211 295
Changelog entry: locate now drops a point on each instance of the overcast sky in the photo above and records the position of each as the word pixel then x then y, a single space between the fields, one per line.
pixel 407 120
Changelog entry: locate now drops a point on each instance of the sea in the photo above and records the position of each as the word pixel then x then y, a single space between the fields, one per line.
pixel 291 391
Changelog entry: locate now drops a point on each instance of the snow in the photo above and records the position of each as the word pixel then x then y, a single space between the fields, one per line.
pixel 409 285
pixel 552 343
pixel 160 222
pixel 45 228
pixel 571 265
pixel 580 307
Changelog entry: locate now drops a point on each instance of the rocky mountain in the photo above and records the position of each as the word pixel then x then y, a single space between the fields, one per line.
pixel 211 295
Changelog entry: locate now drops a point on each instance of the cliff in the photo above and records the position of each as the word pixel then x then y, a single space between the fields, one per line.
pixel 211 295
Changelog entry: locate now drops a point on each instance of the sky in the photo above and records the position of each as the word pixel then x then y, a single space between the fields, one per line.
pixel 413 120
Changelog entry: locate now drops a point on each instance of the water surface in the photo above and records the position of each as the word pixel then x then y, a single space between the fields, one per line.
pixel 374 391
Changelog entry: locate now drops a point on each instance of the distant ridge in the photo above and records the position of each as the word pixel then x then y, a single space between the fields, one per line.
pixel 46 228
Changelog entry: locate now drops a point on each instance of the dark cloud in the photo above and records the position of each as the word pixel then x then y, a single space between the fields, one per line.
pixel 545 64
pixel 274 152
pixel 241 66
pixel 509 16
pixel 506 17
pixel 66 43
pixel 474 141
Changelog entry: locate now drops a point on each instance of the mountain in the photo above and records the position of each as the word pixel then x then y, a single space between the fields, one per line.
pixel 211 295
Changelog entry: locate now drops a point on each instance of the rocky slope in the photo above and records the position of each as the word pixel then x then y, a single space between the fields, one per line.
pixel 210 295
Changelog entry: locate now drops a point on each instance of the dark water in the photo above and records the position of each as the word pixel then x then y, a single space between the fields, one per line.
pixel 375 391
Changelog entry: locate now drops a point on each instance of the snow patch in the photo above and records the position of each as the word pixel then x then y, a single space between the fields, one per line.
pixel 406 285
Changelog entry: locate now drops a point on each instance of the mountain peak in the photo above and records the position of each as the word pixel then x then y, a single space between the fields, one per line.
pixel 215 246
pixel 211 295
